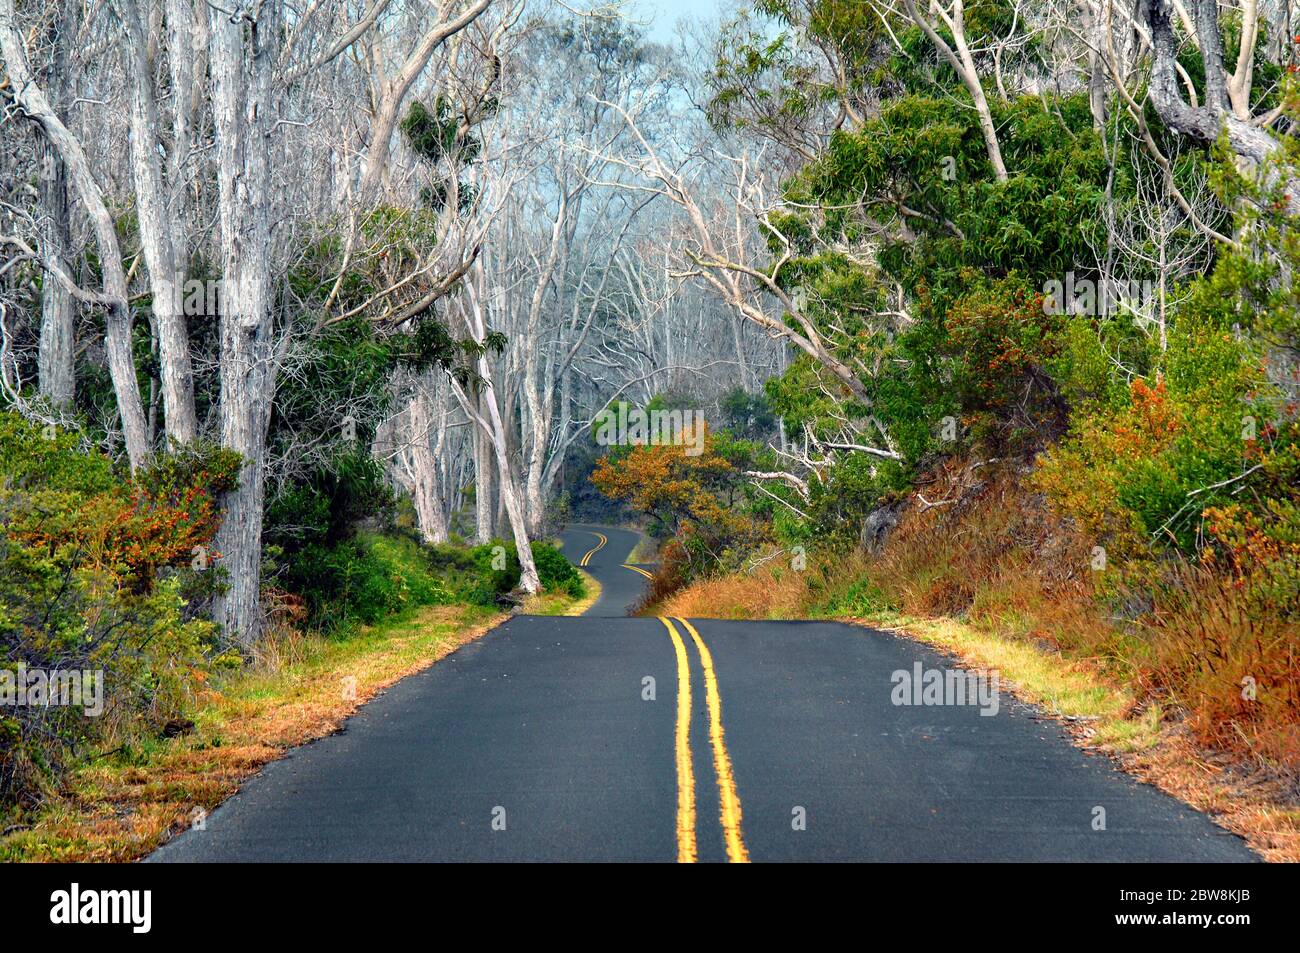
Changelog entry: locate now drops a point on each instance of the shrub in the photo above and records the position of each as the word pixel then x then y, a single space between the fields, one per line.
pixel 1138 475
pixel 364 579
pixel 96 574
pixel 556 572
pixel 1000 341
pixel 498 565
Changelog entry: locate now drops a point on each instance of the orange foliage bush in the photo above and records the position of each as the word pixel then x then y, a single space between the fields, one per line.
pixel 666 482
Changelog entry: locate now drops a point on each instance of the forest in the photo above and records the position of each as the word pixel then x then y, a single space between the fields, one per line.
pixel 319 317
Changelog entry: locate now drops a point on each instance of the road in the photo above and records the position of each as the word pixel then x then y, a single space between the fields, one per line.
pixel 608 738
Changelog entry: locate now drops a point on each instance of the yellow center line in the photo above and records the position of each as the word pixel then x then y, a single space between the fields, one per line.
pixel 729 799
pixel 638 569
pixel 685 770
pixel 595 549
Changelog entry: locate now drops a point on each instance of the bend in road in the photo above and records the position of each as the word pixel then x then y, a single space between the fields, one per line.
pixel 613 738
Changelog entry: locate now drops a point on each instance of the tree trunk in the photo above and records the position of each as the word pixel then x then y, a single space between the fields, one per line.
pixel 1203 124
pixel 157 234
pixel 509 490
pixel 425 493
pixel 56 358
pixel 56 363
pixel 483 483
pixel 35 106
pixel 490 422
pixel 241 61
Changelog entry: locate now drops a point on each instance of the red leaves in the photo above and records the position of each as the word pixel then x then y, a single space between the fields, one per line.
pixel 126 531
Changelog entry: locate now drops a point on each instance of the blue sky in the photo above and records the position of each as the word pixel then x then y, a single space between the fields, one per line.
pixel 665 13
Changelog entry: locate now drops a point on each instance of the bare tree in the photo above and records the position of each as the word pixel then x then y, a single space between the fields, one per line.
pixel 1227 96
pixel 31 100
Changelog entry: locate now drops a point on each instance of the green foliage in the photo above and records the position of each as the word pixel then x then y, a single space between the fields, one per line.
pixel 34 457
pixel 1203 461
pixel 324 507
pixel 364 579
pixel 1088 351
pixel 923 160
pixel 971 255
pixel 370 576
pixel 999 345
pixel 1138 474
pixel 97 575
pixel 433 134
pixel 498 565
pixel 555 571
pixel 443 137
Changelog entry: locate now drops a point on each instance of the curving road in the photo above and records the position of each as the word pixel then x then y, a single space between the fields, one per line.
pixel 608 738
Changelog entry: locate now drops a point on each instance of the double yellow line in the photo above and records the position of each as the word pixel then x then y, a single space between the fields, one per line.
pixel 648 575
pixel 728 799
pixel 595 549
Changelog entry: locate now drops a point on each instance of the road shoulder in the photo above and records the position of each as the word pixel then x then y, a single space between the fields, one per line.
pixel 1103 718
pixel 124 805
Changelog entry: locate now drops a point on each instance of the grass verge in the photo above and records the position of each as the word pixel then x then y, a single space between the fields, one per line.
pixel 561 603
pixel 123 804
pixel 645 551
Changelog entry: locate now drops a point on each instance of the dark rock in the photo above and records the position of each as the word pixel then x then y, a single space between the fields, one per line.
pixel 879 523
pixel 177 727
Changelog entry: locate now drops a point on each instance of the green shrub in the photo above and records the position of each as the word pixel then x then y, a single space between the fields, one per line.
pixel 96 576
pixel 499 565
pixel 556 572
pixel 364 579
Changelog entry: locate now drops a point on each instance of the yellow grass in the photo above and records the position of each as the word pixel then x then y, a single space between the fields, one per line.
pixel 771 592
pixel 561 603
pixel 120 807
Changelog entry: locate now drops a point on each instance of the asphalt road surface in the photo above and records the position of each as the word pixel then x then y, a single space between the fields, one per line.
pixel 608 738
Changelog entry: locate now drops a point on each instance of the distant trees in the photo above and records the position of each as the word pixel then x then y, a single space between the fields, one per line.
pixel 411 208
pixel 220 207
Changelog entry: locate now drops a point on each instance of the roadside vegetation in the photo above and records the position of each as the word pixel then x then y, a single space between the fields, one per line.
pixel 136 789
pixel 985 313
pixel 1052 400
pixel 112 575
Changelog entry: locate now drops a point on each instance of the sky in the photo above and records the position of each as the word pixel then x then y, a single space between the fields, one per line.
pixel 663 14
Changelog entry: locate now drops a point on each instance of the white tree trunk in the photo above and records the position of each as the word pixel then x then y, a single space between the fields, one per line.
pixel 241 60
pixel 117 337
pixel 484 481
pixel 158 231
pixel 425 491
pixel 56 361
pixel 493 427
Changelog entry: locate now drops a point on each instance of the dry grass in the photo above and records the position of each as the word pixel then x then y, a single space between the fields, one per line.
pixel 1246 798
pixel 561 603
pixel 645 551
pixel 994 579
pixel 1208 642
pixel 771 592
pixel 123 805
